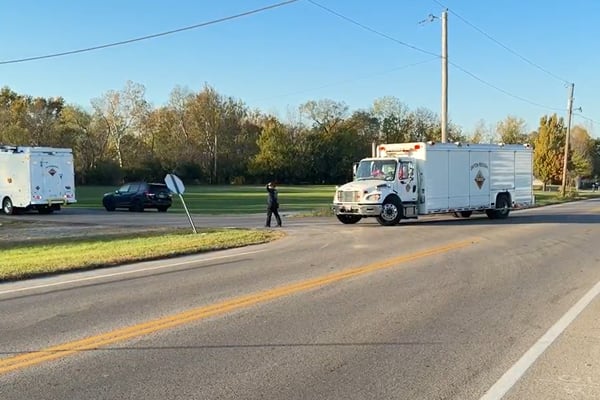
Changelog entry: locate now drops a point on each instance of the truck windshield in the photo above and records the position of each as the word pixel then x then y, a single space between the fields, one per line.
pixel 376 169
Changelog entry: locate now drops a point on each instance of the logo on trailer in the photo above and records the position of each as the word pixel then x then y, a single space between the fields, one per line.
pixel 52 171
pixel 479 179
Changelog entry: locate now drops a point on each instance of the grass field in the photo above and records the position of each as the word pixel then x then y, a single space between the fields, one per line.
pixel 246 199
pixel 22 260
pixel 229 199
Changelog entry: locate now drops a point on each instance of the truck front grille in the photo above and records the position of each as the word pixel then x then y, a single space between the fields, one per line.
pixel 348 196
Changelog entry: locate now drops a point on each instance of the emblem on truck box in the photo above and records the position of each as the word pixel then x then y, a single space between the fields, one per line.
pixel 479 179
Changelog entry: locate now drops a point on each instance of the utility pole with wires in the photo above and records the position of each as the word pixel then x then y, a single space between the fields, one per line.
pixel 444 116
pixel 567 138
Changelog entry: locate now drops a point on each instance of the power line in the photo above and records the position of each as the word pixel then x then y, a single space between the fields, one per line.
pixel 523 99
pixel 472 75
pixel 139 39
pixel 505 47
pixel 586 118
pixel 354 79
pixel 329 10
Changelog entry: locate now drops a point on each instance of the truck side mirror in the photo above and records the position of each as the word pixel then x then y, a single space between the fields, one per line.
pixel 354 169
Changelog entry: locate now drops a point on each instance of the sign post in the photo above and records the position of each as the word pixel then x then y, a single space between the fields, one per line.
pixel 175 185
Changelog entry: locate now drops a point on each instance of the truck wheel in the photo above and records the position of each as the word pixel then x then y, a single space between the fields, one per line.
pixel 162 208
pixel 7 206
pixel 463 214
pixel 390 212
pixel 502 208
pixel 348 219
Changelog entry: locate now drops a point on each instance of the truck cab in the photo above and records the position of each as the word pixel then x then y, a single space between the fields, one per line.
pixel 386 188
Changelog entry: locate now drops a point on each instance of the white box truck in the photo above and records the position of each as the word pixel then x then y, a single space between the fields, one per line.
pixel 406 180
pixel 36 178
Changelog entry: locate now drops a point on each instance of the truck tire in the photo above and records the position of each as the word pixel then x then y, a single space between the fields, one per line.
pixel 390 212
pixel 348 219
pixel 45 210
pixel 502 208
pixel 7 206
pixel 162 208
pixel 463 214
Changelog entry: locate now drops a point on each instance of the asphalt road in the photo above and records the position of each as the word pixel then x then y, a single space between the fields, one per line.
pixel 440 308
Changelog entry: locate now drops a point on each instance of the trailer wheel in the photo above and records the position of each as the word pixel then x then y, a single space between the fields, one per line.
pixel 348 219
pixel 7 206
pixel 390 212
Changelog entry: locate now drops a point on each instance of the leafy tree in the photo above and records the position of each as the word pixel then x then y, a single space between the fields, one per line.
pixel 512 130
pixel 122 114
pixel 275 152
pixel 482 133
pixel 581 154
pixel 548 149
pixel 325 114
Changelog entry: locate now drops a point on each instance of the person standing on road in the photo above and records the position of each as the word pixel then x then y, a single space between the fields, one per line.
pixel 272 204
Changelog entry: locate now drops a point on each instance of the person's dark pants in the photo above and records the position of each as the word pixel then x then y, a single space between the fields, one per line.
pixel 273 211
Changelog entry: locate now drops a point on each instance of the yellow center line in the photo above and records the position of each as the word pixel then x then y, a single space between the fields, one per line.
pixel 119 335
pixel 595 210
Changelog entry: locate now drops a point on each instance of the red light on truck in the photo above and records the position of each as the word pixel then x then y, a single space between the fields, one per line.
pixel 417 146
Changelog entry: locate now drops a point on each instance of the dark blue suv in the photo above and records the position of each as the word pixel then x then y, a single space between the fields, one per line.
pixel 138 196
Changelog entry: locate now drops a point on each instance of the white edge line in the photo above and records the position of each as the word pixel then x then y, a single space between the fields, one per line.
pixel 510 377
pixel 162 266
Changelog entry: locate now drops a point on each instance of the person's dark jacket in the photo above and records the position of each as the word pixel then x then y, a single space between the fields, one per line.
pixel 272 201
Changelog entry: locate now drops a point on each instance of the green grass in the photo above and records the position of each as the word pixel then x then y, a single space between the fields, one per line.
pixel 547 198
pixel 22 260
pixel 229 199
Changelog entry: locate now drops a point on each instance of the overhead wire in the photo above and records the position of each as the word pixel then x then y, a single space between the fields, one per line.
pixel 510 50
pixel 147 37
pixel 505 47
pixel 462 69
pixel 410 46
pixel 355 79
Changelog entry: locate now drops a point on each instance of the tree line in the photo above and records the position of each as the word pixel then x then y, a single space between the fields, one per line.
pixel 208 138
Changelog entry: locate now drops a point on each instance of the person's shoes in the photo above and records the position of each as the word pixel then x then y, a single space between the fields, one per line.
pixel 267 226
pixel 279 225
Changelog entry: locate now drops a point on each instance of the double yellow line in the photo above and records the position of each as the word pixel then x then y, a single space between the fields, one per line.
pixel 95 342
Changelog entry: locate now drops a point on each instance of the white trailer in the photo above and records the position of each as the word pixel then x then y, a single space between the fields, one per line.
pixel 407 180
pixel 38 178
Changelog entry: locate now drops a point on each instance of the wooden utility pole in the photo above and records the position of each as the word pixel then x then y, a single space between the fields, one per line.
pixel 567 138
pixel 444 117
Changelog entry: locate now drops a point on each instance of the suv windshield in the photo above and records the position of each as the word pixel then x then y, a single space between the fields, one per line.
pixel 376 169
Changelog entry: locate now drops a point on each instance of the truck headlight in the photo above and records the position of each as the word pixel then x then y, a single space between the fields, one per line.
pixel 373 197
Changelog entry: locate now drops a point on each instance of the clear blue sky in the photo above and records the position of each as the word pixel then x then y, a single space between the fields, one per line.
pixel 280 58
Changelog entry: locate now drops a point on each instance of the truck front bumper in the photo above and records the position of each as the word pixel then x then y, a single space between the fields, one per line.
pixel 364 210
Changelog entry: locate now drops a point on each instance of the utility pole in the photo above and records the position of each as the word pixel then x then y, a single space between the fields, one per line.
pixel 567 138
pixel 215 166
pixel 444 76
